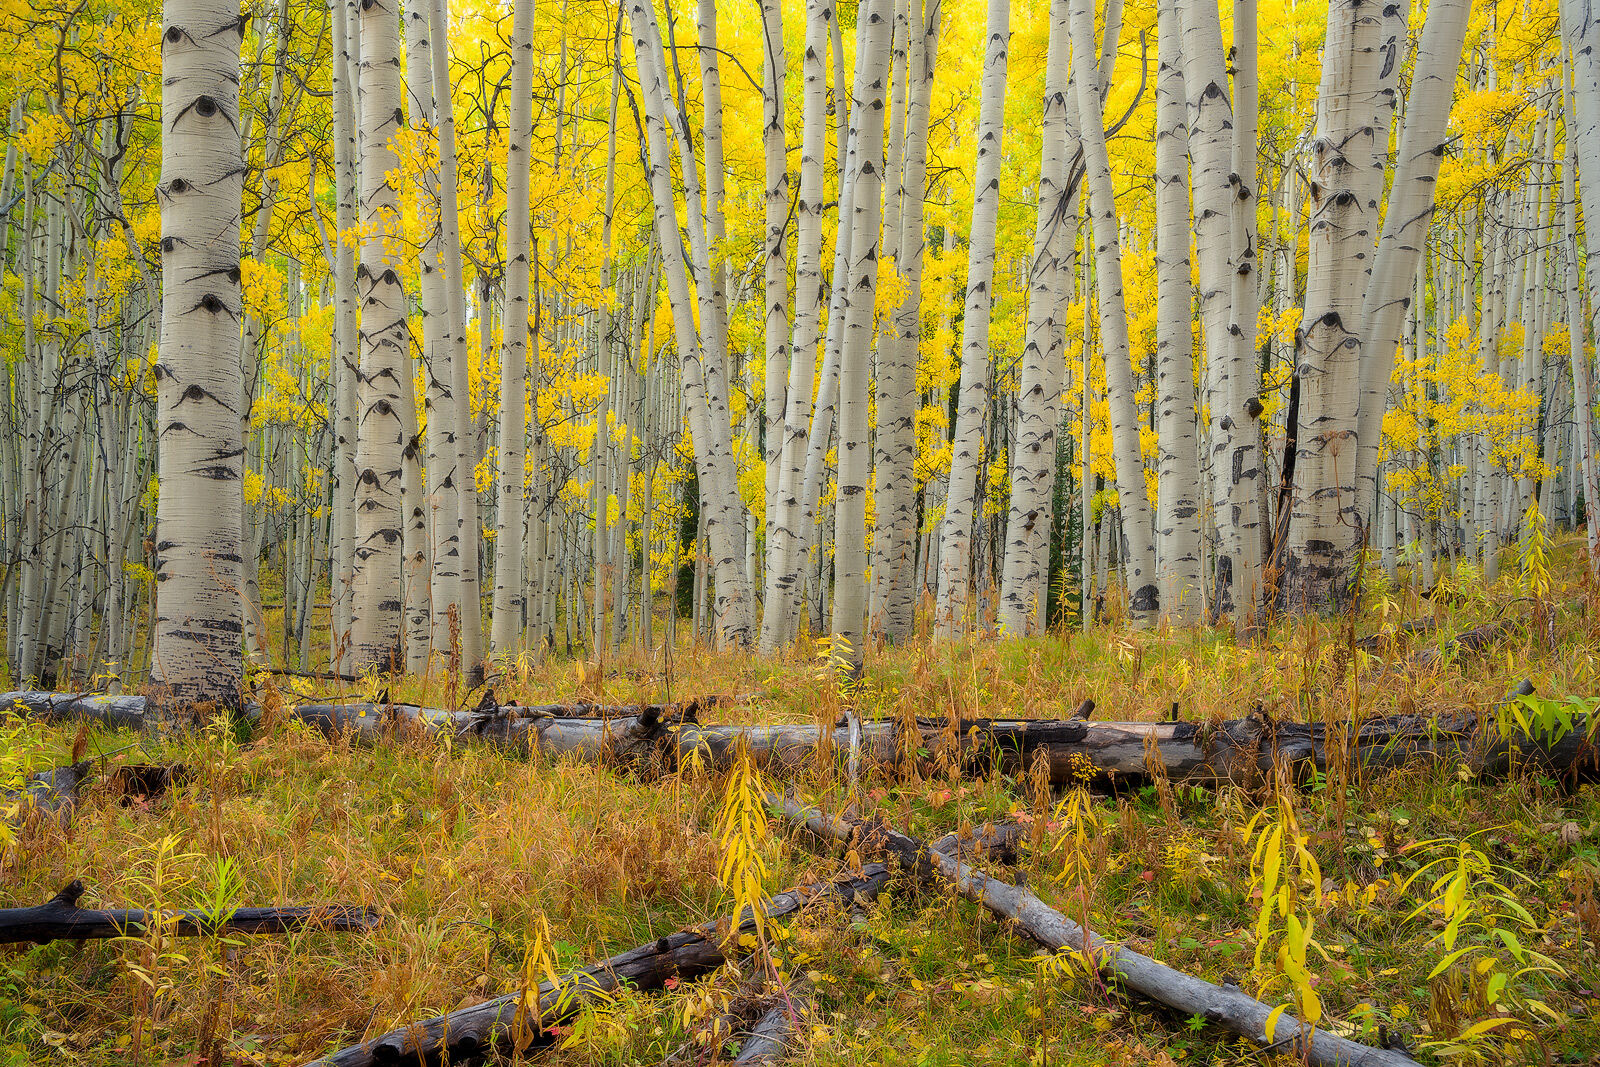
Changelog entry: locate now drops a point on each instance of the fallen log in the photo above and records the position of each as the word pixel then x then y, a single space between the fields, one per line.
pixel 644 738
pixel 52 792
pixel 1412 628
pixel 483 1029
pixel 60 918
pixel 1228 1007
pixel 775 1034
pixel 1474 640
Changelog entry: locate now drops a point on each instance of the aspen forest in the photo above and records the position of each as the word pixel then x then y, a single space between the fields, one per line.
pixel 829 532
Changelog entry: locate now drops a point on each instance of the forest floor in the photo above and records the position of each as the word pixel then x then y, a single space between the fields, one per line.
pixel 468 852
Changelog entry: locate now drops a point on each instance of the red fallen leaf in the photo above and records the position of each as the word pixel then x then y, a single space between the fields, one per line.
pixel 671 983
pixel 1147 876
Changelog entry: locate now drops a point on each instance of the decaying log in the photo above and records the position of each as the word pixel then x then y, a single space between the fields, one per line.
pixel 1474 640
pixel 146 781
pixel 1412 628
pixel 53 792
pixel 477 1031
pixel 1185 994
pixel 60 918
pixel 1107 752
pixel 776 1033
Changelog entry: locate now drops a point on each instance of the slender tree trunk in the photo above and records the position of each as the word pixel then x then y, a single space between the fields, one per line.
pixel 385 351
pixel 964 495
pixel 1138 527
pixel 704 386
pixel 346 347
pixel 1582 374
pixel 439 502
pixel 1022 594
pixel 509 593
pixel 1235 583
pixel 775 259
pixel 461 482
pixel 850 518
pixel 1405 222
pixel 784 536
pixel 1178 503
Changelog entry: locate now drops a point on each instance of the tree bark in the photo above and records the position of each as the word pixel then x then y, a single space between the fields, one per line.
pixel 1178 489
pixel 509 590
pixel 850 519
pixel 1133 499
pixel 200 504
pixel 964 495
pixel 1325 531
pixel 385 352
pixel 1227 1007
pixel 1028 523
pixel 490 1027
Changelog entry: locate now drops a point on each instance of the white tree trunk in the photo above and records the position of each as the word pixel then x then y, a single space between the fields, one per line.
pixel 200 501
pixel 704 386
pixel 385 351
pixel 1022 592
pixel 1405 223
pixel 776 258
pixel 1324 534
pixel 509 591
pixel 346 346
pixel 1582 373
pixel 1133 501
pixel 965 494
pixel 1232 459
pixel 1178 490
pixel 784 535
pixel 850 518
pixel 461 551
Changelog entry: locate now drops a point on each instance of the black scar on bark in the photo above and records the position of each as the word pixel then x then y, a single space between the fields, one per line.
pixel 1146 598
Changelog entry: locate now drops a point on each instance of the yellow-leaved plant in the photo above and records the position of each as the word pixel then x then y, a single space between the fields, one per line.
pixel 1289 880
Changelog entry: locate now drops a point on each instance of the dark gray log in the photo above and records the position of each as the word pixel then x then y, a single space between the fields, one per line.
pixel 60 918
pixel 1474 640
pixel 475 1032
pixel 54 792
pixel 776 1033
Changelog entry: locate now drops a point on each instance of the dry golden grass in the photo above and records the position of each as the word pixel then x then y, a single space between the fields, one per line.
pixel 465 849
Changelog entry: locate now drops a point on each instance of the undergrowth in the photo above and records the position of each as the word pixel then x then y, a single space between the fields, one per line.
pixel 1458 916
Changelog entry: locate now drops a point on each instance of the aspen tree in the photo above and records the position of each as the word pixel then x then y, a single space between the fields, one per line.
pixel 704 387
pixel 1178 502
pixel 460 552
pixel 1324 524
pixel 199 508
pixel 1582 373
pixel 346 357
pixel 508 585
pixel 438 499
pixel 1405 222
pixel 775 259
pixel 385 351
pixel 784 536
pixel 955 560
pixel 850 518
pixel 1216 210
pixel 1133 501
pixel 894 587
pixel 1028 522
